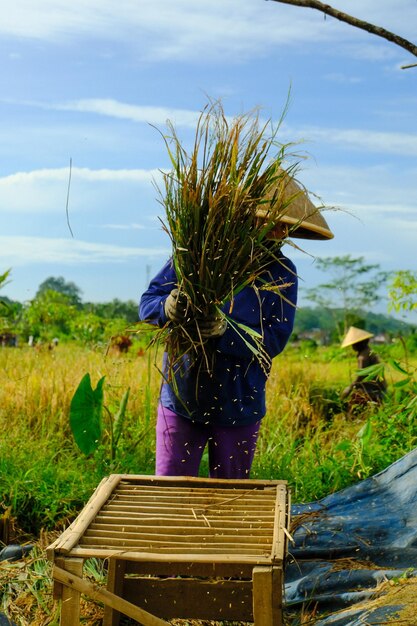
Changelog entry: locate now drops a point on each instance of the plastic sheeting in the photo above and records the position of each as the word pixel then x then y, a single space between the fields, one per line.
pixel 349 542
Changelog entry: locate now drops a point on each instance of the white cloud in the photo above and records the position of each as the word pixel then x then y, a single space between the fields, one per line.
pixel 380 208
pixel 17 251
pixel 113 108
pixel 45 190
pixel 357 138
pixel 368 51
pixel 402 144
pixel 81 173
pixel 189 30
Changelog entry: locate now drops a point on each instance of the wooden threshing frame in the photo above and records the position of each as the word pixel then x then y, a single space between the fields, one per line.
pixel 177 547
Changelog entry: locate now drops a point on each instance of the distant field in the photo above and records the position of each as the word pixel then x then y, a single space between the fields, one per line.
pixel 306 437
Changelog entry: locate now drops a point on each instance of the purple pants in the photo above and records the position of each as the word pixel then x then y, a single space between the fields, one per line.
pixel 180 445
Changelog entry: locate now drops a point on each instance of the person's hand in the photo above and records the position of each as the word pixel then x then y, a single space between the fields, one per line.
pixel 211 327
pixel 176 306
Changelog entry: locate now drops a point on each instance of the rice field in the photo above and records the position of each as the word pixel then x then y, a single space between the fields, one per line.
pixel 306 438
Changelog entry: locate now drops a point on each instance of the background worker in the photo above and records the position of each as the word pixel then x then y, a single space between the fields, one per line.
pixel 363 390
pixel 223 407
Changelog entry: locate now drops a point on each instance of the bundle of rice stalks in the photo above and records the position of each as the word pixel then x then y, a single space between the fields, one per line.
pixel 212 200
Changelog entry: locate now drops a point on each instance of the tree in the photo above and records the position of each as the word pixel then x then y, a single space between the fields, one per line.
pixel 60 285
pixel 402 292
pixel 353 287
pixel 114 309
pixel 357 23
pixel 49 315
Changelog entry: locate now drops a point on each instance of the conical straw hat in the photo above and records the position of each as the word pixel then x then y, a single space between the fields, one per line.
pixel 306 220
pixel 354 335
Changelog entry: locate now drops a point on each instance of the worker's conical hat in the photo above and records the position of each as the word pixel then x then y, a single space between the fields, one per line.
pixel 305 219
pixel 354 335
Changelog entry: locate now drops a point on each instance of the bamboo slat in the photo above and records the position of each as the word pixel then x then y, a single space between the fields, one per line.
pixel 178 516
pixel 168 548
pixel 179 557
pixel 279 524
pixel 189 529
pixel 186 523
pixel 201 534
pixel 190 481
pixel 255 515
pixel 72 534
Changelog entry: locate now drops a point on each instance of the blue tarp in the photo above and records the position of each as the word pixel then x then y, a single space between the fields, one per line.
pixel 373 522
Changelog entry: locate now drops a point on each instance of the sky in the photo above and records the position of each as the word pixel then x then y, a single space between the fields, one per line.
pixel 87 88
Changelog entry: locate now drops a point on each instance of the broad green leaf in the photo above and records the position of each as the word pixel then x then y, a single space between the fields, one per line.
pixel 85 414
pixel 372 371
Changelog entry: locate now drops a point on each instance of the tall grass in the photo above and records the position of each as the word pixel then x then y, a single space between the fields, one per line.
pixel 305 438
pixel 43 476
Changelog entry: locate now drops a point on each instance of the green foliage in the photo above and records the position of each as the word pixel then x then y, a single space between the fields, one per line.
pixel 6 311
pixel 325 323
pixel 86 414
pixel 60 285
pixel 411 343
pixel 306 438
pixel 127 311
pixel 42 484
pixel 352 286
pixel 49 315
pixel 86 417
pixel 88 328
pixel 4 277
pixel 402 291
pixel 325 401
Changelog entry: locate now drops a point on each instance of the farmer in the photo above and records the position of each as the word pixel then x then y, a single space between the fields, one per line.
pixel 224 407
pixel 363 391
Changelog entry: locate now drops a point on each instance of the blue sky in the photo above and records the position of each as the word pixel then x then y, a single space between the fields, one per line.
pixel 88 81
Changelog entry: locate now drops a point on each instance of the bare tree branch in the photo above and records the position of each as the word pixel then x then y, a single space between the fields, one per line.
pixel 354 21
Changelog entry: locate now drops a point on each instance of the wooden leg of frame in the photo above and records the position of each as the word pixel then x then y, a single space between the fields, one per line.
pixel 267 596
pixel 115 579
pixel 70 602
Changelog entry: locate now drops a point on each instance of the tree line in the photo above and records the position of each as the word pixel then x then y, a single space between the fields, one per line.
pixel 57 311
pixel 348 297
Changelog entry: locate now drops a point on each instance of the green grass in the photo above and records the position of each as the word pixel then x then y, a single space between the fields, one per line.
pixel 306 439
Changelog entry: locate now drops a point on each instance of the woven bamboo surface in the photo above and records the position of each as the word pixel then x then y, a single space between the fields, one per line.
pixel 148 518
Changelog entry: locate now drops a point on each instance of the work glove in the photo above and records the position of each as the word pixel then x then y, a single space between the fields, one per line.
pixel 211 327
pixel 176 306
